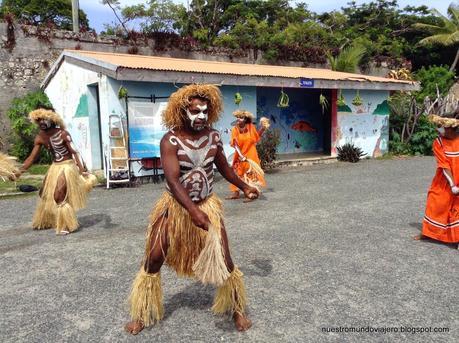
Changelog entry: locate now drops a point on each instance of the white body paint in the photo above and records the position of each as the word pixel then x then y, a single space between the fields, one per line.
pixel 201 115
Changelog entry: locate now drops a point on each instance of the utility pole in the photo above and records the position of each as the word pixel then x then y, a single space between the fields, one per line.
pixel 75 8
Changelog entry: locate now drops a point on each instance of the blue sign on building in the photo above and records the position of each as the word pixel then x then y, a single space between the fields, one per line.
pixel 307 83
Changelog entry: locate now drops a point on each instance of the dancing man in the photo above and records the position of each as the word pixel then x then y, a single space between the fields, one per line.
pixel 66 183
pixel 186 225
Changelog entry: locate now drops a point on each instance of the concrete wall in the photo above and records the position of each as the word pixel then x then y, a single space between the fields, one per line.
pixel 146 89
pixel 70 95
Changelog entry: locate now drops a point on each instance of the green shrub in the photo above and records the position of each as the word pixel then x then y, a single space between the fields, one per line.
pixel 423 137
pixel 267 148
pixel 432 77
pixel 24 131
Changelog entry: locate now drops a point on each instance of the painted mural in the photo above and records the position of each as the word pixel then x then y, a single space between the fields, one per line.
pixel 300 124
pixel 363 120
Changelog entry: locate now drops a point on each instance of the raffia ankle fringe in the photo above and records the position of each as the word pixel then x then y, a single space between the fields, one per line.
pixel 146 298
pixel 230 297
pixel 66 218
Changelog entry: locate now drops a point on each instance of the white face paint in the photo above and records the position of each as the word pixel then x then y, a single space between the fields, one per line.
pixel 202 115
pixel 46 124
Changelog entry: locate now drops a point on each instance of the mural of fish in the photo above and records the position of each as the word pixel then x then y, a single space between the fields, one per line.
pixel 303 126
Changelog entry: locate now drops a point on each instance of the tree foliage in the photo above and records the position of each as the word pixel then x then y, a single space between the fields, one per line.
pixel 24 131
pixel 57 13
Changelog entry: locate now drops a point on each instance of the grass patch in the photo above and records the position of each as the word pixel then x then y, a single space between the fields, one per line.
pixel 38 169
pixel 386 156
pixel 11 187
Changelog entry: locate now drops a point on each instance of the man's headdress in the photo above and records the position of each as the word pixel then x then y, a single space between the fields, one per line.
pixel 42 113
pixel 243 114
pixel 175 114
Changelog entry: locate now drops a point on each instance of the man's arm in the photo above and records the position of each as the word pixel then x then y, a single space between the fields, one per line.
pixel 33 155
pixel 75 154
pixel 171 169
pixel 229 174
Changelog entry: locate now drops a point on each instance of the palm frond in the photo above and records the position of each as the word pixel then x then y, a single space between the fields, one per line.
pixel 428 27
pixel 453 12
pixel 443 39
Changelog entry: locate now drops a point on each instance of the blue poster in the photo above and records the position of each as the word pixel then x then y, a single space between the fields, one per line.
pixel 145 128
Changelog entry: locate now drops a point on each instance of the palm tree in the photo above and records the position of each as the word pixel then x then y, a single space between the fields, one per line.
pixel 348 59
pixel 446 34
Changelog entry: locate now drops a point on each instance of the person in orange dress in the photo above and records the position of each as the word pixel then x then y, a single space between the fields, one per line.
pixel 441 219
pixel 244 138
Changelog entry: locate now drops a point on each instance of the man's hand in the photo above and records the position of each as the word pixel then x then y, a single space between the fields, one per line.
pixel 15 177
pixel 251 192
pixel 200 219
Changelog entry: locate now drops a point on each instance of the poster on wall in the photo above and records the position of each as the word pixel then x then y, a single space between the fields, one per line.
pixel 145 128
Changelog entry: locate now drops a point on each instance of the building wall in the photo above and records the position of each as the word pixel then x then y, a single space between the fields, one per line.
pixel 71 97
pixel 366 125
pixel 147 89
pixel 301 125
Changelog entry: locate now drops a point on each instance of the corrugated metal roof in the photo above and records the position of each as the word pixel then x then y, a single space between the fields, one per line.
pixel 226 68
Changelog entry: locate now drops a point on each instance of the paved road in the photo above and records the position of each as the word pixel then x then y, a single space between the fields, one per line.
pixel 326 246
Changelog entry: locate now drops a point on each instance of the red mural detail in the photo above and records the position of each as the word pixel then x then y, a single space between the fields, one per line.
pixel 303 126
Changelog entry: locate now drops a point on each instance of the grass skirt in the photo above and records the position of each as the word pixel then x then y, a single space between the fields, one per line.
pixel 192 251
pixel 61 216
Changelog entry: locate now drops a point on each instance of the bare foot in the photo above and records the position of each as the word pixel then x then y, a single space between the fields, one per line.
pixel 134 327
pixel 241 321
pixel 232 196
pixel 419 237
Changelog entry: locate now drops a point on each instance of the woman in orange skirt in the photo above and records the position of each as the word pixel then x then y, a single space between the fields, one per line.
pixel 441 220
pixel 246 163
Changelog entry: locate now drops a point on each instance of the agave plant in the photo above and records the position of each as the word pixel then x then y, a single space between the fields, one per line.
pixel 349 153
pixel 283 100
pixel 323 102
pixel 237 98
pixel 341 101
pixel 357 101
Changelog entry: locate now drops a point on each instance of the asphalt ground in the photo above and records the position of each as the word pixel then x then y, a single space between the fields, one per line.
pixel 327 250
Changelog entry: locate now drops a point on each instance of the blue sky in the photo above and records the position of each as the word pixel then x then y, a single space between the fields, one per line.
pixel 99 14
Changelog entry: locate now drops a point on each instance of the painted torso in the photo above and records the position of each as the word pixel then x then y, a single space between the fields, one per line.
pixel 196 159
pixel 56 143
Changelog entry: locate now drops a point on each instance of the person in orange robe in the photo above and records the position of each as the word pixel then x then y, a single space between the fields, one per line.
pixel 244 138
pixel 441 219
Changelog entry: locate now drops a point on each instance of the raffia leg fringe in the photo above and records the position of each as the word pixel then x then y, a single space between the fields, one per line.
pixel 146 298
pixel 43 217
pixel 66 218
pixel 231 297
pixel 210 267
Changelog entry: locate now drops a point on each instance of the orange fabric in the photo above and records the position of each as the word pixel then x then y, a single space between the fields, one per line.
pixel 441 220
pixel 247 145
